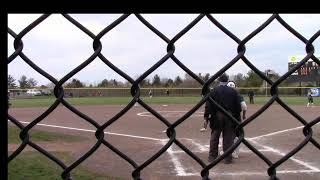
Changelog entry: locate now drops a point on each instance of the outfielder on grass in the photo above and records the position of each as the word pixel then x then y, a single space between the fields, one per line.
pixel 150 93
pixel 310 98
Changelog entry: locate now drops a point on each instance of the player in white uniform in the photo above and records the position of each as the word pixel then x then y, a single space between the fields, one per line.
pixel 244 108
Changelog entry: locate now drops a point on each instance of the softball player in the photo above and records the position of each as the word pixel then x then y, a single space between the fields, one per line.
pixel 310 99
pixel 244 108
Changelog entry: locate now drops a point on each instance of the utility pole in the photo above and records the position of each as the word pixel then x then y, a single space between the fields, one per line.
pixel 269 72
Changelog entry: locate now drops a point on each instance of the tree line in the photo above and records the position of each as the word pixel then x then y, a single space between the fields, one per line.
pixel 250 79
pixel 23 82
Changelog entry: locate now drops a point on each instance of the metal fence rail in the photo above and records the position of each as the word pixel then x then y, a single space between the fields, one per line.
pixel 136 92
pixel 158 92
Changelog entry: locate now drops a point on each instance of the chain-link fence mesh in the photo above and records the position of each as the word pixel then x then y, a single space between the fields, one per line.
pixel 136 92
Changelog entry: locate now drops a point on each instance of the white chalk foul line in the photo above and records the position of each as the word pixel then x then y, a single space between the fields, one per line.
pixel 277 132
pixel 167 113
pixel 178 166
pixel 199 146
pixel 88 130
pixel 276 151
pixel 201 151
pixel 246 173
pixel 180 171
pixel 274 133
pixel 281 153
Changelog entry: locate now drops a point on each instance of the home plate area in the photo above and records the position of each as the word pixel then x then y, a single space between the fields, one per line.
pixel 248 165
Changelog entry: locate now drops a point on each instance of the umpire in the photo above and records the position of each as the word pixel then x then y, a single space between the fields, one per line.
pixel 228 98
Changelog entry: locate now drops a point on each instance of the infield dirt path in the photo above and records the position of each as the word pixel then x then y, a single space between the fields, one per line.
pixel 138 134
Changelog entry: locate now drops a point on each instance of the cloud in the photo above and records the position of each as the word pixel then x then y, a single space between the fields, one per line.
pixel 58 46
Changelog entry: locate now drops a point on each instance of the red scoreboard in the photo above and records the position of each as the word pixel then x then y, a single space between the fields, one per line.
pixel 310 71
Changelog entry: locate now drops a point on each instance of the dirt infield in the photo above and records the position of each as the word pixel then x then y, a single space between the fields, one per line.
pixel 140 135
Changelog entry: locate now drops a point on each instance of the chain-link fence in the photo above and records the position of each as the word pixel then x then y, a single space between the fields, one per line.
pixel 136 92
pixel 158 92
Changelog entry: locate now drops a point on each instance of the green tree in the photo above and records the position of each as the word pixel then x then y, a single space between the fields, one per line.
pixel 103 83
pixel 75 83
pixel 274 76
pixel 206 77
pixel 240 80
pixel 178 81
pixel 32 82
pixel 114 83
pixel 169 83
pixel 23 82
pixel 156 81
pixel 253 80
pixel 145 83
pixel 11 82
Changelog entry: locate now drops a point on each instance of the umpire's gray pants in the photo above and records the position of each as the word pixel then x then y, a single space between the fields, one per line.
pixel 228 137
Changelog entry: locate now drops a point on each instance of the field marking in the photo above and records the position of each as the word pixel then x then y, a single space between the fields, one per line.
pixel 242 151
pixel 276 151
pixel 178 166
pixel 180 171
pixel 148 114
pixel 88 130
pixel 246 173
pixel 278 132
pixel 200 146
pixel 265 148
pixel 275 133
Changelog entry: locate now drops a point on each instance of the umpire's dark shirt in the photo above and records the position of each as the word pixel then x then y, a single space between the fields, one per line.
pixel 226 97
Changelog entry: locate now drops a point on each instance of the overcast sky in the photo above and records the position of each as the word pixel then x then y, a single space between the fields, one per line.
pixel 57 46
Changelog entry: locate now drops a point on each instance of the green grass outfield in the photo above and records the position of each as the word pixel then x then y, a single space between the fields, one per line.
pixel 35 166
pixel 39 135
pixel 46 102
